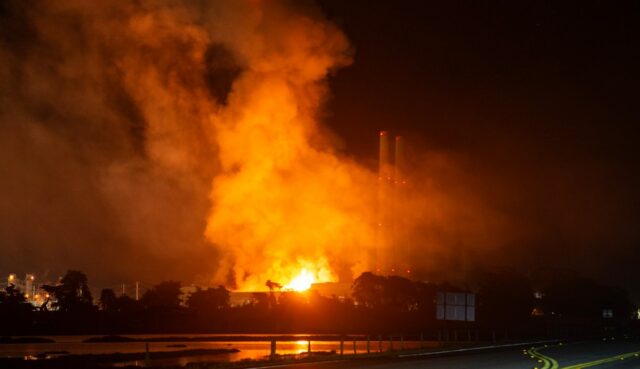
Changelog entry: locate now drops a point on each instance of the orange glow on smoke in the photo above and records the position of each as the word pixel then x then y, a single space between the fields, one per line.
pixel 286 207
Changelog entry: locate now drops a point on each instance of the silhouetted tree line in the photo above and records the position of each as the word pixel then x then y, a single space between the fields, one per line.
pixel 565 305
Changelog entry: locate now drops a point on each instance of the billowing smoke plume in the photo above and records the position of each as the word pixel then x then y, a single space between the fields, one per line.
pixel 107 151
pixel 284 201
pixel 176 140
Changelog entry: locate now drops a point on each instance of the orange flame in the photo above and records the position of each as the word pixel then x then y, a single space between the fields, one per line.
pixel 301 282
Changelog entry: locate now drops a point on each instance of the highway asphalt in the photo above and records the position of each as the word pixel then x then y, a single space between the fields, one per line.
pixel 593 354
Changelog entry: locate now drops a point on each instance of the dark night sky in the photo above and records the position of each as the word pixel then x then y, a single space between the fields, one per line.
pixel 537 99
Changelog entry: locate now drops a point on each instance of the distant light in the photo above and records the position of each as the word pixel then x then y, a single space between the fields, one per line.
pixel 408 271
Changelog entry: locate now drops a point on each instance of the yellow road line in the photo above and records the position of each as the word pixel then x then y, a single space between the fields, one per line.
pixel 551 363
pixel 605 360
pixel 548 362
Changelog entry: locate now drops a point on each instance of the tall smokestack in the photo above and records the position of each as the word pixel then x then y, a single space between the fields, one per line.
pixel 395 219
pixel 384 162
pixel 384 184
pixel 399 175
pixel 391 180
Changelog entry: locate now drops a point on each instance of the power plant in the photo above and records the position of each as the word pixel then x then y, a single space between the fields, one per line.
pixel 391 180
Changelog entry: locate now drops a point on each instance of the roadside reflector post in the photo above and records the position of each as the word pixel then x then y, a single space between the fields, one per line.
pixel 146 354
pixel 390 343
pixel 309 347
pixel 341 345
pixel 421 340
pixel 401 342
pixel 368 345
pixel 354 346
pixel 273 349
pixel 380 343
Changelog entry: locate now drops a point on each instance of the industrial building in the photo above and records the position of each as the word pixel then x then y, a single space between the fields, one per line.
pixel 32 292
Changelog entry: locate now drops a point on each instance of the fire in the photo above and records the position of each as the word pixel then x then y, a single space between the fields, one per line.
pixel 297 277
pixel 301 282
pixel 286 206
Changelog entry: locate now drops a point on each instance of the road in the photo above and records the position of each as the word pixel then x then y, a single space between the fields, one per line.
pixel 600 355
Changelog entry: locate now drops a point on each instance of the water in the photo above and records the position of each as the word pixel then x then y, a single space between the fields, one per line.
pixel 248 349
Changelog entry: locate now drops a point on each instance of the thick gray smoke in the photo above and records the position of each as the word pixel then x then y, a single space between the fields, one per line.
pixel 106 159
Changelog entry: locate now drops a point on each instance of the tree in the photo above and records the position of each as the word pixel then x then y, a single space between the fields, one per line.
pixel 202 300
pixel 400 293
pixel 72 294
pixel 165 295
pixel 392 292
pixel 426 297
pixel 13 301
pixel 506 297
pixel 108 300
pixel 15 310
pixel 573 296
pixel 127 305
pixel 368 290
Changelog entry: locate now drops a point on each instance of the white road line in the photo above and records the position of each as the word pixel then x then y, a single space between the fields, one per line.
pixel 407 355
pixel 474 349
